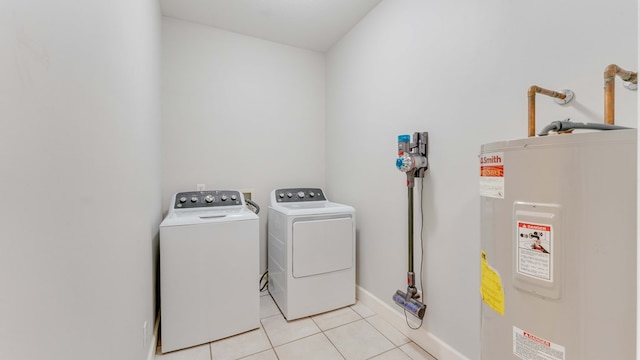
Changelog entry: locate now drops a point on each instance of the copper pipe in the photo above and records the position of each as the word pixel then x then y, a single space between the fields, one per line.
pixel 610 73
pixel 531 94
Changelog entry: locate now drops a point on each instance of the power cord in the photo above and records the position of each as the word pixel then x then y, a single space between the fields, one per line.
pixel 265 278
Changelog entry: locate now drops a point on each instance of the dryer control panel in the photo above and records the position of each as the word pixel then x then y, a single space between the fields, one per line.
pixel 210 198
pixel 299 195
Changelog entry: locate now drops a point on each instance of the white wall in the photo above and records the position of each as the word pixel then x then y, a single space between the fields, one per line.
pixel 459 70
pixel 80 177
pixel 239 113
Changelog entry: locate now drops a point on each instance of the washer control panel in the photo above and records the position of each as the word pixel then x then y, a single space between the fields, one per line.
pixel 210 198
pixel 299 195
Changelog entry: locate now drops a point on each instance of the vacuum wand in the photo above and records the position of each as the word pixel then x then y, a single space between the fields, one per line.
pixel 412 159
pixel 410 274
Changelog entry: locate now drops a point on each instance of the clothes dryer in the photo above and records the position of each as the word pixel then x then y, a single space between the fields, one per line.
pixel 311 252
pixel 209 257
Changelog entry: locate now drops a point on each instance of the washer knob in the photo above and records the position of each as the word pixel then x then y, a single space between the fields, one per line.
pixel 194 199
pixel 234 197
pixel 281 195
pixel 289 195
pixel 224 197
pixel 208 198
pixel 300 194
pixel 312 194
pixel 183 199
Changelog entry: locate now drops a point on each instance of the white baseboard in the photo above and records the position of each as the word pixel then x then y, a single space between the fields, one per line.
pixel 423 338
pixel 151 355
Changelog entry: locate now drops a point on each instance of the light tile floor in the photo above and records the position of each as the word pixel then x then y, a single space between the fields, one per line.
pixel 351 333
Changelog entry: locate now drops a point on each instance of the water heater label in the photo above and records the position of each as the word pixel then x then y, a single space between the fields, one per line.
pixel 527 346
pixel 535 245
pixel 492 175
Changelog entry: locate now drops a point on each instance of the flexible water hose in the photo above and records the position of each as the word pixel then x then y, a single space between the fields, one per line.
pixel 566 125
pixel 253 203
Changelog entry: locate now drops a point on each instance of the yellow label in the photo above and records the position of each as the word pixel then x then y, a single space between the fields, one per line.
pixel 491 286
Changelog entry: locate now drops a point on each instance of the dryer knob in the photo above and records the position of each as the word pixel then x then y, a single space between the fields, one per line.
pixel 300 194
pixel 183 199
pixel 194 199
pixel 289 195
pixel 281 195
pixel 224 198
pixel 312 194
pixel 234 197
pixel 208 198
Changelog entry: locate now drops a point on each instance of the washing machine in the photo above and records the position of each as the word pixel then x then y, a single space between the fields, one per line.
pixel 209 259
pixel 311 252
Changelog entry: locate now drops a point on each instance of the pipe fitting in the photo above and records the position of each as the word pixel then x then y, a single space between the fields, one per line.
pixel 568 96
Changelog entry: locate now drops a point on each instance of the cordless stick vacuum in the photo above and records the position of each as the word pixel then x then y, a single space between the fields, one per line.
pixel 412 160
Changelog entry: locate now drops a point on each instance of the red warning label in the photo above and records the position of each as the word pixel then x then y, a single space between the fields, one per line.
pixel 537 339
pixel 534 252
pixel 492 170
pixel 534 226
pixel 527 346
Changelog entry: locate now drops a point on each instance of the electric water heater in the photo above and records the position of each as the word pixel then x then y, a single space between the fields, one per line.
pixel 558 247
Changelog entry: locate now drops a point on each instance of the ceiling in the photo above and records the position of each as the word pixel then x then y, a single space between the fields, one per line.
pixel 309 24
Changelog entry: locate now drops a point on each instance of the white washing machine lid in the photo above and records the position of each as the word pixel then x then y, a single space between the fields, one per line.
pixel 205 217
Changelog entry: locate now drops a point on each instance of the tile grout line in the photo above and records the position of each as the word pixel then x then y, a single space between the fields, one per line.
pixel 335 327
pixel 273 348
pixel 268 339
pixel 390 350
pixel 292 341
pixel 384 336
pixel 308 336
pixel 377 330
pixel 334 346
pixel 288 342
pixel 323 332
